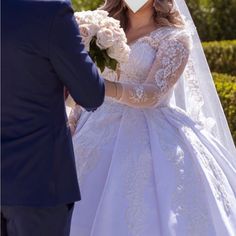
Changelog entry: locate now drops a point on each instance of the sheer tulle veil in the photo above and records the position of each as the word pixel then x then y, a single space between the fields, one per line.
pixel 195 91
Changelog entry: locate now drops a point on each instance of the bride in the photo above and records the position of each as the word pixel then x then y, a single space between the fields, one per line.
pixel 157 158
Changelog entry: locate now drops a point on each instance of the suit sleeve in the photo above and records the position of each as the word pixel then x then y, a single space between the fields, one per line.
pixel 72 63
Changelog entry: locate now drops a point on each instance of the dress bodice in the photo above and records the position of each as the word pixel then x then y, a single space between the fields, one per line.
pixel 156 62
pixel 139 64
pixel 142 56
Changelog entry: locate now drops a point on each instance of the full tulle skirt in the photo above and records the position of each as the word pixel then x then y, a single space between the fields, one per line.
pixel 151 172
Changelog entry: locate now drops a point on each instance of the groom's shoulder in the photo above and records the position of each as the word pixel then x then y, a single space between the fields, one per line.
pixel 56 6
pixel 46 4
pixel 50 4
pixel 46 1
pixel 46 7
pixel 54 2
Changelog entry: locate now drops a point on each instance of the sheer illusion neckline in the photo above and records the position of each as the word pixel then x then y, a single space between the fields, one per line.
pixel 144 36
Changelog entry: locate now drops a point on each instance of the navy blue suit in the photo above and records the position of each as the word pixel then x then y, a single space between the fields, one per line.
pixel 41 54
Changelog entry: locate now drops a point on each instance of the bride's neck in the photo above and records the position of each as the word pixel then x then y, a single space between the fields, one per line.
pixel 140 19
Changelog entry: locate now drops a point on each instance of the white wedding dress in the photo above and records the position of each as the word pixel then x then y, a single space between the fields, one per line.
pixel 145 167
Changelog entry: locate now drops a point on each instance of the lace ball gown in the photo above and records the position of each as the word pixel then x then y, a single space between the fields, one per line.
pixel 145 167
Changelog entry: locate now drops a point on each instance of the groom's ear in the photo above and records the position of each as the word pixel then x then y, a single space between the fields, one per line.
pixel 135 5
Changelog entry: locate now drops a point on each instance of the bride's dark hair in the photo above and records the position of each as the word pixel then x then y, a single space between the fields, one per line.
pixel 164 12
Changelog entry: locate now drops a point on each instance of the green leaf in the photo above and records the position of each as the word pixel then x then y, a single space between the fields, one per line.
pixel 112 64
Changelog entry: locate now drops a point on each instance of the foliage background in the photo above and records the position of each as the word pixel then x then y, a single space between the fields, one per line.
pixel 215 19
pixel 86 4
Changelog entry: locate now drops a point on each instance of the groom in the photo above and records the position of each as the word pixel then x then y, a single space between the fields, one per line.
pixel 41 54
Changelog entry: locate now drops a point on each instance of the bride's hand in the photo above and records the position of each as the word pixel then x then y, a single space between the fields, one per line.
pixel 113 89
pixel 74 118
pixel 72 129
pixel 70 102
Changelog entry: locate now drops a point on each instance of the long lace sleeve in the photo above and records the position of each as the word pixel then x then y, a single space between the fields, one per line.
pixel 169 64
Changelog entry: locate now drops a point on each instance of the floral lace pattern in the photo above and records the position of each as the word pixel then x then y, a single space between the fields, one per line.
pixel 167 66
pixel 186 204
pixel 174 53
pixel 137 180
pixel 210 165
pixel 196 99
pixel 138 94
pixel 87 156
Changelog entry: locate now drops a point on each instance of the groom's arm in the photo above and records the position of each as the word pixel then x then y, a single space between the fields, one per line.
pixel 72 63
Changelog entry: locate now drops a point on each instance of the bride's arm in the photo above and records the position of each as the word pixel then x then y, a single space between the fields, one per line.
pixel 169 64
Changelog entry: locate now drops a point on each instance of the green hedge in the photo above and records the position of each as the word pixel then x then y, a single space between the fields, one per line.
pixel 226 87
pixel 221 56
pixel 221 78
pixel 215 19
pixel 80 5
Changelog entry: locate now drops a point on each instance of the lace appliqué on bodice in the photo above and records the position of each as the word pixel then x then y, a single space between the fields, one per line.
pixel 155 65
pixel 174 54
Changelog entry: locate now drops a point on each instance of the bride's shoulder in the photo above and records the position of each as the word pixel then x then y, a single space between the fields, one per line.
pixel 163 35
pixel 167 33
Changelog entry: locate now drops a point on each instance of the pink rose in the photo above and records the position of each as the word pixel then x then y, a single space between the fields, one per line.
pixel 105 38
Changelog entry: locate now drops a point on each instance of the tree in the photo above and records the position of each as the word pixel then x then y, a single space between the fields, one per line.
pixel 215 19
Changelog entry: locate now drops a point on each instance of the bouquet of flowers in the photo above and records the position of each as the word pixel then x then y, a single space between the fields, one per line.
pixel 103 38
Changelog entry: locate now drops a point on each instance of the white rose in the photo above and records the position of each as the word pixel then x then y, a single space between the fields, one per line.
pixel 87 32
pixel 80 17
pixel 86 42
pixel 119 35
pixel 110 23
pixel 101 13
pixel 105 38
pixel 86 37
pixel 84 30
pixel 86 17
pixel 119 52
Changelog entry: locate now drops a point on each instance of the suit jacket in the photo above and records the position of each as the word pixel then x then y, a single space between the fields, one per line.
pixel 41 54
